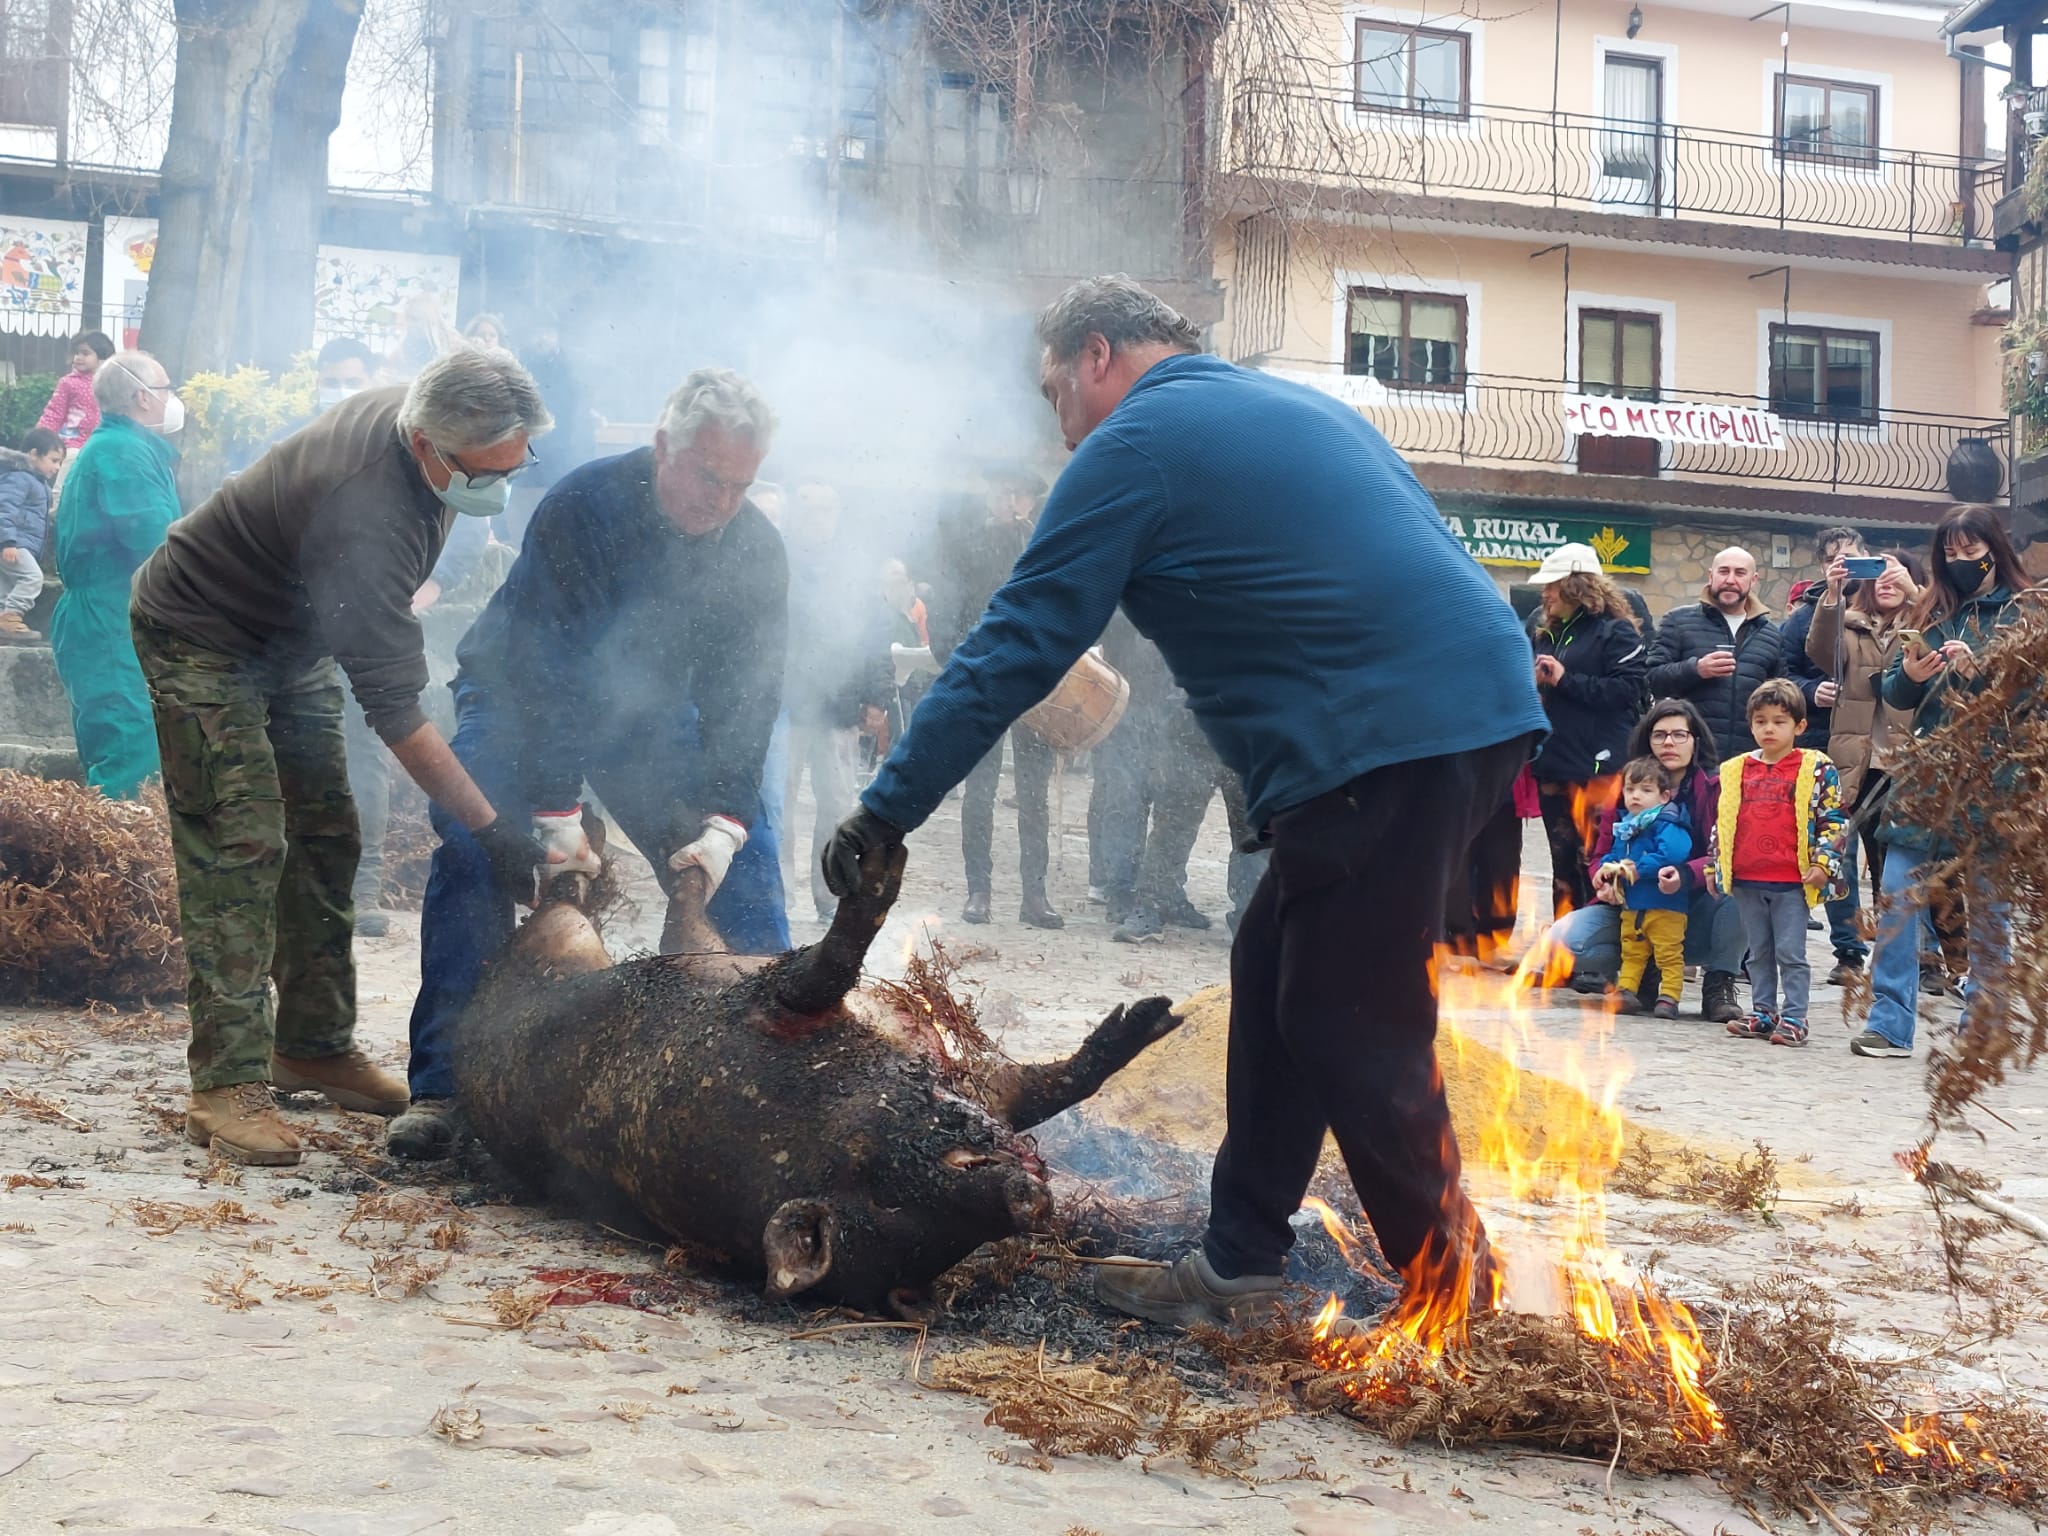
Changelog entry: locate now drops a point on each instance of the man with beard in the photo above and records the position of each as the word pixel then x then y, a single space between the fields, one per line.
pixel 1284 560
pixel 1716 651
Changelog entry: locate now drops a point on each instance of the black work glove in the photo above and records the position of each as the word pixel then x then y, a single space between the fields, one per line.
pixel 513 854
pixel 858 835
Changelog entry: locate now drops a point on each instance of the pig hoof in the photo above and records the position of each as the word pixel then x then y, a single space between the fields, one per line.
pixel 912 1305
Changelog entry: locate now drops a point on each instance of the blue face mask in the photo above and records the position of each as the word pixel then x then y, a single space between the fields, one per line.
pixel 472 500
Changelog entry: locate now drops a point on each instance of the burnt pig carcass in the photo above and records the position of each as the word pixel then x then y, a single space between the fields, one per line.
pixel 769 1113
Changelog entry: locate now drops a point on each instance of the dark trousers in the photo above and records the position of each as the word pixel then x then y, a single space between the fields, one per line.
pixel 1333 1014
pixel 1479 910
pixel 1571 836
pixel 465 918
pixel 1032 760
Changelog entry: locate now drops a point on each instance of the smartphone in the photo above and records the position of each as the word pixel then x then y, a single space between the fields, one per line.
pixel 1864 567
pixel 1914 642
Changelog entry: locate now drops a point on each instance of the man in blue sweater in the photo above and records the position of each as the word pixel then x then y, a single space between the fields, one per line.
pixel 1355 667
pixel 636 644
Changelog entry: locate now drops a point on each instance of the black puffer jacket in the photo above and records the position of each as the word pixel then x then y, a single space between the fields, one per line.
pixel 1690 632
pixel 1594 706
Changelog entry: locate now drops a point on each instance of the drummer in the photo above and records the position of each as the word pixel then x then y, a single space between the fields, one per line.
pixel 1372 739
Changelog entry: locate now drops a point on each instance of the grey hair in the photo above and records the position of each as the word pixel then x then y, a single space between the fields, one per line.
pixel 121 378
pixel 471 398
pixel 716 396
pixel 1120 312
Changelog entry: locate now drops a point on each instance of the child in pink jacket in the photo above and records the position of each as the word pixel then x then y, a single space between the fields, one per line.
pixel 72 413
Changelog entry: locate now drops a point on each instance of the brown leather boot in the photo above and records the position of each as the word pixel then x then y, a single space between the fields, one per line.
pixel 349 1080
pixel 242 1124
pixel 14 630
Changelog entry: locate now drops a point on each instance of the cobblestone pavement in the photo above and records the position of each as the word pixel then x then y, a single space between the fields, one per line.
pixel 172 1364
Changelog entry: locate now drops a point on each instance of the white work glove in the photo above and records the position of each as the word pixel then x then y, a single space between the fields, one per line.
pixel 713 850
pixel 911 660
pixel 562 832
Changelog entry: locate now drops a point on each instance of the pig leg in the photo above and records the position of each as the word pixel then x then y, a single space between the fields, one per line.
pixel 819 977
pixel 687 930
pixel 1024 1096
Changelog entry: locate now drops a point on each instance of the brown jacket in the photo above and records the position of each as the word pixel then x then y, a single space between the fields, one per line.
pixel 1854 649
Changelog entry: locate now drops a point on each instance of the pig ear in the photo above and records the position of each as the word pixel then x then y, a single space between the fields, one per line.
pixel 798 1246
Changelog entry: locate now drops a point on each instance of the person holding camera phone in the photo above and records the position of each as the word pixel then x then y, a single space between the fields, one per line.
pixel 1973 594
pixel 1863 603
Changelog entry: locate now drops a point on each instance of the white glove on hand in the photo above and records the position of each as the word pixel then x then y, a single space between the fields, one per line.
pixel 713 851
pixel 562 832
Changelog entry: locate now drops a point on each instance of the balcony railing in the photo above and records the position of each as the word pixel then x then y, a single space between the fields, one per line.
pixel 1569 159
pixel 1514 422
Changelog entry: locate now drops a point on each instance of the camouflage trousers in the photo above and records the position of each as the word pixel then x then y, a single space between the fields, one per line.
pixel 264 834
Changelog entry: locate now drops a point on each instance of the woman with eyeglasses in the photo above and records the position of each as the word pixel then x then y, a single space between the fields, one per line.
pixel 312 556
pixel 1676 734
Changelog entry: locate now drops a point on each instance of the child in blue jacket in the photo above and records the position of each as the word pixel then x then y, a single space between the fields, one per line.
pixel 1650 839
pixel 25 528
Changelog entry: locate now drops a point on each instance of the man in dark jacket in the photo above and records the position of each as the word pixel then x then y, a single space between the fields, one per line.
pixel 1716 651
pixel 637 643
pixel 1820 685
pixel 1368 761
pixel 840 680
pixel 976 551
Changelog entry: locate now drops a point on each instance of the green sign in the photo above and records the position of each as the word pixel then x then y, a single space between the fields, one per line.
pixel 1519 538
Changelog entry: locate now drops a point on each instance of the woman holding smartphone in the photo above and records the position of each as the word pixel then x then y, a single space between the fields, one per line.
pixel 1852 637
pixel 1976 580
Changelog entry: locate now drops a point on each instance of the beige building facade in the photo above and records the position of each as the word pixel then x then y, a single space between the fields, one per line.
pixel 1660 273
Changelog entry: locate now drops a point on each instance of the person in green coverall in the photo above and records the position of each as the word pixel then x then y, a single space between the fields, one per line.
pixel 117 501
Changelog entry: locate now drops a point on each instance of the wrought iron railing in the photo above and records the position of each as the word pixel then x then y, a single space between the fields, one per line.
pixel 1506 421
pixel 1584 161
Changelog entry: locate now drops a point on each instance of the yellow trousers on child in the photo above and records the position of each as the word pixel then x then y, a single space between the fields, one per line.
pixel 1655 932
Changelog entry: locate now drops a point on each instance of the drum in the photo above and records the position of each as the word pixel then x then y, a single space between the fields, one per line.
pixel 1084 709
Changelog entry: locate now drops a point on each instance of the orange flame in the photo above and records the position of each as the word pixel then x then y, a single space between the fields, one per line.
pixel 1548 1187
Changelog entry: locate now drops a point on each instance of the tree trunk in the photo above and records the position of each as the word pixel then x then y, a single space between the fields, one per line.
pixel 258 93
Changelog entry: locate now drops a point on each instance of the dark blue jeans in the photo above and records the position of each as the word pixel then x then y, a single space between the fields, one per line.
pixel 465 918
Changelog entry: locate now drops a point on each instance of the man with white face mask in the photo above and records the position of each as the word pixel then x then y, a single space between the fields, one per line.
pixel 311 556
pixel 119 498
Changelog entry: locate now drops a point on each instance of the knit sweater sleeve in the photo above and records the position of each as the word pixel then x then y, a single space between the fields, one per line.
pixel 1094 532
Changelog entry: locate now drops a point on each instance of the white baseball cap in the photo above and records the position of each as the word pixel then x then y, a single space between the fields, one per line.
pixel 1565 560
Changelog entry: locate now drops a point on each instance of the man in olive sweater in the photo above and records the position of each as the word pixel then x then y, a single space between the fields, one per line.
pixel 310 556
pixel 1294 574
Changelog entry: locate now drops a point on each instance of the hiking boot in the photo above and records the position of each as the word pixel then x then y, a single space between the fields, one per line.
pixel 1717 998
pixel 1871 1043
pixel 14 630
pixel 1187 1293
pixel 1753 1026
pixel 348 1081
pixel 1037 912
pixel 1142 926
pixel 1590 984
pixel 371 923
pixel 1628 1002
pixel 1667 1008
pixel 976 910
pixel 1847 969
pixel 1789 1032
pixel 426 1132
pixel 1183 913
pixel 242 1124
